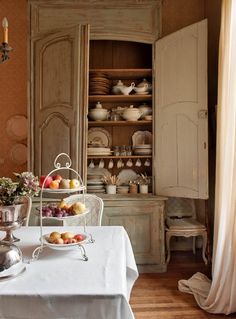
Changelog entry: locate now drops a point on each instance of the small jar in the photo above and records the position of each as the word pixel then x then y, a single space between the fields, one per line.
pixel 133 188
pixel 128 150
pixel 123 150
pixel 116 150
pixel 143 189
pixel 111 189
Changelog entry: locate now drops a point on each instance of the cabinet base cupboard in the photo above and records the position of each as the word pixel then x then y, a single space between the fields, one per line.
pixel 72 40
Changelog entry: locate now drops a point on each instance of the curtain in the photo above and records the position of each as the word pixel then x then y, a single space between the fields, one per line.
pixel 219 295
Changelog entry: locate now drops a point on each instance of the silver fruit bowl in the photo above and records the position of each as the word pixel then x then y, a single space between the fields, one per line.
pixel 11 264
pixel 11 218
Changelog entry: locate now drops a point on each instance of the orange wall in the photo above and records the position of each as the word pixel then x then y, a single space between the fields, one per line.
pixel 13 80
pixel 177 14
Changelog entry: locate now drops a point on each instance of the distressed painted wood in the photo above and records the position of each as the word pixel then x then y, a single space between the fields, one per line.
pixel 143 219
pixel 60 96
pixel 181 113
pixel 137 20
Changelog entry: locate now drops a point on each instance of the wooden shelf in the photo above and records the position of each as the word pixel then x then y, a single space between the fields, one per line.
pixel 118 157
pixel 125 73
pixel 120 98
pixel 118 123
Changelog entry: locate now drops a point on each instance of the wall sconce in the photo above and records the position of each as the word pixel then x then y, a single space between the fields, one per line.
pixel 4 47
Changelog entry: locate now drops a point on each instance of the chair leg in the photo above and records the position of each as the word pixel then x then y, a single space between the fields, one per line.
pixel 168 236
pixel 194 245
pixel 204 244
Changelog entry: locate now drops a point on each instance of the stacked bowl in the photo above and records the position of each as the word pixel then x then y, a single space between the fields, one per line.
pixel 142 149
pixel 99 83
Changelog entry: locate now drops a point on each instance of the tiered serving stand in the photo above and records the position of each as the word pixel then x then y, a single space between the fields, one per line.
pixel 81 189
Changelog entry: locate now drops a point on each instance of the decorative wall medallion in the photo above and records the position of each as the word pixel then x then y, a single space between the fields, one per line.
pixel 18 154
pixel 16 127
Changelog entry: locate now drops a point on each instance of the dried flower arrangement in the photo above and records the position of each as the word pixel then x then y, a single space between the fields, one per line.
pixel 11 192
pixel 110 180
pixel 143 179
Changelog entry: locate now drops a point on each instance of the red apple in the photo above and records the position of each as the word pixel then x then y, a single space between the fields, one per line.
pixel 79 237
pixel 46 180
pixel 57 177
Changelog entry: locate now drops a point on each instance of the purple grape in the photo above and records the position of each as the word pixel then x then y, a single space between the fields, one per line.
pixel 48 214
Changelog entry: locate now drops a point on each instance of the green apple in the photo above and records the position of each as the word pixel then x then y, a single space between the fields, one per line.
pixel 74 183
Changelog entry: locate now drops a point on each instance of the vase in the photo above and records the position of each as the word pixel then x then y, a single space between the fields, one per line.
pixel 143 189
pixel 12 217
pixel 111 189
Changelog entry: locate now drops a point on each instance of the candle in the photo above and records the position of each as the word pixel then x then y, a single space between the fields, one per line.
pixel 5 30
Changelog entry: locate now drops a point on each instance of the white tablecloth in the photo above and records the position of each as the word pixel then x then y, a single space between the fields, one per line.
pixel 63 286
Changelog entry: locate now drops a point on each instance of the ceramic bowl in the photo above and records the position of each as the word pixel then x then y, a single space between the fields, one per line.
pixel 116 89
pixel 142 89
pixel 98 114
pixel 131 114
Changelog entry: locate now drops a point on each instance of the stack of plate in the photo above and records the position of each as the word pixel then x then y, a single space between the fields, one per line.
pixel 95 184
pixel 99 83
pixel 122 189
pixel 142 149
pixel 99 151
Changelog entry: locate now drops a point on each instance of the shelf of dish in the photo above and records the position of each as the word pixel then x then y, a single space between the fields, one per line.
pixel 116 74
pixel 118 157
pixel 121 98
pixel 119 123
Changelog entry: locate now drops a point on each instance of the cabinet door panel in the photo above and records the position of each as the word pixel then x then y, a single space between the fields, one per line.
pixel 181 160
pixel 60 75
pixel 144 227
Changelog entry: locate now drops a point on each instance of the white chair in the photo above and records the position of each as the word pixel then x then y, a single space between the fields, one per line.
pixel 95 206
pixel 181 222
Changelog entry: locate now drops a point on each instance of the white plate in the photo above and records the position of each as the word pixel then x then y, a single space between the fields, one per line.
pixel 97 171
pixel 100 154
pixel 16 127
pixel 99 136
pixel 95 187
pixel 143 152
pixel 18 153
pixel 92 183
pixel 141 93
pixel 141 137
pixel 61 190
pixel 143 146
pixel 99 149
pixel 62 246
pixel 127 175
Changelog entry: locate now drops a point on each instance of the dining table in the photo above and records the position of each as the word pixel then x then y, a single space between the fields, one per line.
pixel 62 284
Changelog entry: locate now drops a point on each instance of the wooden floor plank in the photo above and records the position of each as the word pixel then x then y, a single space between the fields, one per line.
pixel 156 296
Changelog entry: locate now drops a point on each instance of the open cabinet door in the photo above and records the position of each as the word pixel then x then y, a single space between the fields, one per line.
pixel 181 129
pixel 60 76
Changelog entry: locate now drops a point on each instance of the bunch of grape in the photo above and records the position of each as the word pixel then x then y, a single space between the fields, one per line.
pixel 53 211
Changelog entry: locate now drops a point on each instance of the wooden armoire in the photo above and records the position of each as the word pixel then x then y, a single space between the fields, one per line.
pixel 68 40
